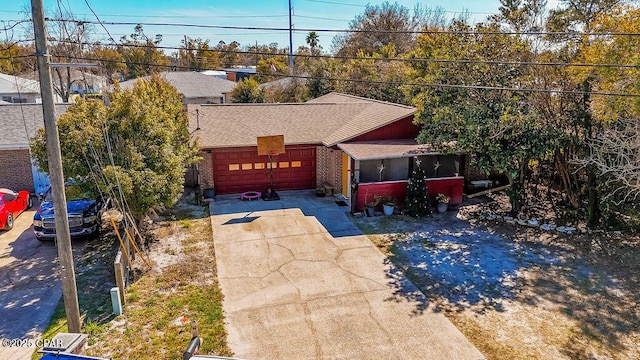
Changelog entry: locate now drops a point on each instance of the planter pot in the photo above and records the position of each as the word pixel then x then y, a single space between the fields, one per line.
pixel 442 207
pixel 371 211
pixel 208 193
pixel 388 209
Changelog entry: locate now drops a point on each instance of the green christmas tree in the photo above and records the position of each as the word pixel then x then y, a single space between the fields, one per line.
pixel 417 201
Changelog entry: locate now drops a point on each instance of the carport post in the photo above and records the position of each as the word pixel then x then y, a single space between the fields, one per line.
pixel 63 238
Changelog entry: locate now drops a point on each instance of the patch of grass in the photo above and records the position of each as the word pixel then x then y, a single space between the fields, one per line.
pixel 170 251
pixel 162 303
pixel 93 280
pixel 57 323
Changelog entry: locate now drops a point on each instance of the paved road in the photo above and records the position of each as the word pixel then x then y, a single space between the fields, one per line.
pixel 301 282
pixel 29 286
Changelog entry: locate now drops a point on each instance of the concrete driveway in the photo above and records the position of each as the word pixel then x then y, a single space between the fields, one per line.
pixel 301 282
pixel 29 286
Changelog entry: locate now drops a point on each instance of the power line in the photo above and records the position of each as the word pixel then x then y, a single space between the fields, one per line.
pixel 399 59
pixel 11 27
pixel 396 83
pixel 101 24
pixel 426 32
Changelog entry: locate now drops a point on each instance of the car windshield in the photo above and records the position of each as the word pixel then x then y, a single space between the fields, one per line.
pixel 71 192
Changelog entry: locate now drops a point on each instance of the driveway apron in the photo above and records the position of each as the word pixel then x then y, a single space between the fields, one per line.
pixel 301 282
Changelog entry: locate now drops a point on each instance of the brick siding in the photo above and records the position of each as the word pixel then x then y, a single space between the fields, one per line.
pixel 329 167
pixel 205 167
pixel 15 170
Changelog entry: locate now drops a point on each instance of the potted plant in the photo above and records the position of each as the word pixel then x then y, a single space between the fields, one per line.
pixel 370 206
pixel 443 202
pixel 388 203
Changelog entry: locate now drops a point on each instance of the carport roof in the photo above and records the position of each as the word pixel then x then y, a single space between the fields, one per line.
pixel 386 149
pixel 327 120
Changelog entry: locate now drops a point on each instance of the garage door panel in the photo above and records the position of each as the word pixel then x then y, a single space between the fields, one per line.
pixel 297 170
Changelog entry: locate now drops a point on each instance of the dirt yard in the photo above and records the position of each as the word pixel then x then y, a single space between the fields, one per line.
pixel 163 301
pixel 518 292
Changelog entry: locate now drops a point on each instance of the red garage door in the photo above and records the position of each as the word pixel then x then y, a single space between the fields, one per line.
pixel 237 170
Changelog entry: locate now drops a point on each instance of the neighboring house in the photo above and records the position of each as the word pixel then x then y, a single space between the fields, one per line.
pixel 337 139
pixel 195 87
pixel 237 74
pixel 14 89
pixel 18 124
pixel 83 83
pixel 217 73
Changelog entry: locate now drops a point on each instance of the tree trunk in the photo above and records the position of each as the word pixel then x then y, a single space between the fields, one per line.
pixel 568 186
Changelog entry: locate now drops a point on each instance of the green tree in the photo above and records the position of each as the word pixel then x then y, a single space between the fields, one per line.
pixel 312 40
pixel 417 201
pixel 111 61
pixel 196 55
pixel 496 127
pixel 613 152
pixel 371 77
pixel 228 53
pixel 400 22
pixel 141 53
pixel 140 142
pixel 247 91
pixel 14 58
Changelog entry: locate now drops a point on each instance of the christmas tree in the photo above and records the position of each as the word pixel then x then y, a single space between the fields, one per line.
pixel 417 201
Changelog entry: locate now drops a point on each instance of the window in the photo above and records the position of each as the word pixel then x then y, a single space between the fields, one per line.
pixel 283 164
pixel 234 167
pixel 436 166
pixel 247 166
pixel 384 170
pixel 258 166
pixel 296 164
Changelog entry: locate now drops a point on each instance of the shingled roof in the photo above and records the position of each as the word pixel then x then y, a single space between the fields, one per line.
pixel 192 84
pixel 19 123
pixel 328 120
pixel 10 84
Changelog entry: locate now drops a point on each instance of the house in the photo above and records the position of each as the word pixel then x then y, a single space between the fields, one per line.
pixel 195 87
pixel 18 124
pixel 14 89
pixel 336 140
pixel 237 74
pixel 83 83
pixel 217 73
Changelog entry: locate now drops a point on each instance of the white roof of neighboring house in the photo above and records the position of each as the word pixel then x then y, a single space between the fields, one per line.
pixel 214 72
pixel 19 123
pixel 10 84
pixel 192 84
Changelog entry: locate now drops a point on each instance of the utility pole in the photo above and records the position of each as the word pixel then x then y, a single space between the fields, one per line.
pixel 290 40
pixel 63 238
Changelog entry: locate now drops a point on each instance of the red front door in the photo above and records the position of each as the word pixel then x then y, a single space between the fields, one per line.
pixel 237 170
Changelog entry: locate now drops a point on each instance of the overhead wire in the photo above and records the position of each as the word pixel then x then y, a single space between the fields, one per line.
pixel 368 31
pixel 399 83
pixel 400 59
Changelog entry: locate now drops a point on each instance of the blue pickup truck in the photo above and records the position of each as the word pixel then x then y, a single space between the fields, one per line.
pixel 85 217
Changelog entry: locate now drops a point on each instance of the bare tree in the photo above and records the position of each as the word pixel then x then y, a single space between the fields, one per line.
pixel 615 153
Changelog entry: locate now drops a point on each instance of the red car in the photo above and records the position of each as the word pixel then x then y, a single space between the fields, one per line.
pixel 12 204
